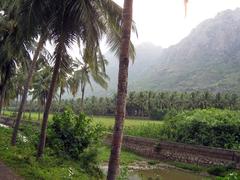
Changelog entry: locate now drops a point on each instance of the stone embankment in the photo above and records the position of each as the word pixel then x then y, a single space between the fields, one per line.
pixel 163 150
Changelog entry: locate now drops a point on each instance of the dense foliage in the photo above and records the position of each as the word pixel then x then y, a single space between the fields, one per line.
pixel 52 166
pixel 210 127
pixel 71 135
pixel 230 176
pixel 22 159
pixel 146 104
pixel 155 105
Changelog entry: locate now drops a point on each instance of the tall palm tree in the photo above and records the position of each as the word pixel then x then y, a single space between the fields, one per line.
pixel 7 71
pixel 32 27
pixel 72 21
pixel 14 53
pixel 113 166
pixel 19 85
pixel 25 90
pixel 66 70
pixel 83 76
pixel 40 85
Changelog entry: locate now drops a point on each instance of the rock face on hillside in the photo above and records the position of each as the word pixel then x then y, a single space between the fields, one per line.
pixel 209 58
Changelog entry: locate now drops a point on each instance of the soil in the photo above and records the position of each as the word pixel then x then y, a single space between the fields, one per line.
pixel 7 174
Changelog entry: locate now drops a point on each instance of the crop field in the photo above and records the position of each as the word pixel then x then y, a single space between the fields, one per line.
pixel 133 127
pixel 108 122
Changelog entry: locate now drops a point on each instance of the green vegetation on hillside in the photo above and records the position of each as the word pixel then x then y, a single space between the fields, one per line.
pixel 207 59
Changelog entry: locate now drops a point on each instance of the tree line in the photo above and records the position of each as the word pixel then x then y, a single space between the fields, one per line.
pixel 155 104
pixel 145 104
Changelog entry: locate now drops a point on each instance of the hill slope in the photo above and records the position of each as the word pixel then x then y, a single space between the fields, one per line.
pixel 209 58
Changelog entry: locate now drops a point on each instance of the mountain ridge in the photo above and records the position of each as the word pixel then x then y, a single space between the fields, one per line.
pixel 207 59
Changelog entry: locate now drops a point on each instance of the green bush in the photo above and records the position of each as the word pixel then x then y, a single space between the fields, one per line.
pixel 212 127
pixel 22 159
pixel 70 135
pixel 230 176
pixel 30 133
pixel 218 170
pixel 157 114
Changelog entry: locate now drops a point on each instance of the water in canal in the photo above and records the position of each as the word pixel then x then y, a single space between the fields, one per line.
pixel 164 174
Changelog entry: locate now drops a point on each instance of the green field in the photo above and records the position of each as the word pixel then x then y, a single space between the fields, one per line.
pixel 108 122
pixel 34 115
pixel 134 127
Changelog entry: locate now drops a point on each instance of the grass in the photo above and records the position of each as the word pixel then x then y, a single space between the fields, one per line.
pixel 126 156
pixel 22 160
pixel 108 122
pixel 191 167
pixel 133 127
pixel 34 115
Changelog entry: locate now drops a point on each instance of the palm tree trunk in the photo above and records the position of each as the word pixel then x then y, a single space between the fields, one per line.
pixel 60 100
pixel 113 166
pixel 30 110
pixel 2 100
pixel 42 141
pixel 16 104
pixel 39 112
pixel 25 91
pixel 82 100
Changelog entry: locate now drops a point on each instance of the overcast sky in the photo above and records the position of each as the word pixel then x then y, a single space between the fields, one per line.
pixel 163 23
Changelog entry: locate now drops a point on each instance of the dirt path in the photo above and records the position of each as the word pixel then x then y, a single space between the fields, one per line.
pixel 7 174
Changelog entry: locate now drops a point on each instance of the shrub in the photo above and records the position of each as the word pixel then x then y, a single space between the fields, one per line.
pixel 30 133
pixel 212 127
pixel 217 170
pixel 70 135
pixel 230 176
pixel 157 114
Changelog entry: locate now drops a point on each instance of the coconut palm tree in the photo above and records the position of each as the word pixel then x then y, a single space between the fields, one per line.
pixel 14 53
pixel 113 166
pixel 83 76
pixel 31 28
pixel 25 90
pixel 66 70
pixel 73 21
pixel 18 80
pixel 40 85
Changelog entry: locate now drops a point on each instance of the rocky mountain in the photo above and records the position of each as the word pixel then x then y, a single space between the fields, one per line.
pixel 209 58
